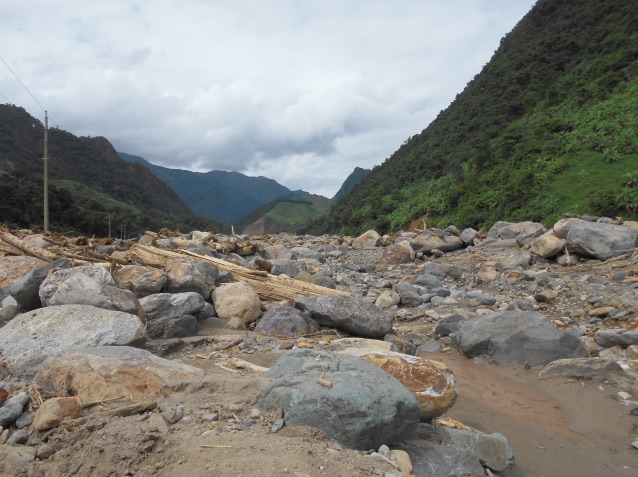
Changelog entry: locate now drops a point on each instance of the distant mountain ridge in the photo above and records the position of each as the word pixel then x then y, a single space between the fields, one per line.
pixel 352 180
pixel 90 183
pixel 221 195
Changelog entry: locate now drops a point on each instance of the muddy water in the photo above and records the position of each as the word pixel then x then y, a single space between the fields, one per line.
pixel 557 427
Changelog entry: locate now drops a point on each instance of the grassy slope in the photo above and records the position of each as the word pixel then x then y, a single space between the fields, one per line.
pixel 549 126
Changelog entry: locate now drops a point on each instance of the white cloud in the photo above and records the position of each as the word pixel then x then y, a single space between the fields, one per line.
pixel 299 91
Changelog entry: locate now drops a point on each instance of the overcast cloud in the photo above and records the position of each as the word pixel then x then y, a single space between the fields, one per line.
pixel 301 91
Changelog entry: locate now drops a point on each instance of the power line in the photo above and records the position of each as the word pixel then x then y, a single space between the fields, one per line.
pixel 23 85
pixel 7 99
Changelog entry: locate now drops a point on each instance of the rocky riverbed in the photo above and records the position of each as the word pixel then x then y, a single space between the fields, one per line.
pixel 512 352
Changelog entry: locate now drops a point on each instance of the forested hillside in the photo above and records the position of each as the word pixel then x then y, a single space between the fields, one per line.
pixel 90 184
pixel 548 126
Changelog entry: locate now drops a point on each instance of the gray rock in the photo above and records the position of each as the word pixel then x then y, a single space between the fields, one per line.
pixel 596 369
pixel 27 340
pixel 517 337
pixel 26 289
pixel 185 275
pixel 203 250
pixel 172 327
pixel 237 300
pixel 482 297
pixel 530 233
pixel 163 305
pixel 468 236
pixel 493 450
pixel 443 270
pixel 50 285
pixel 601 241
pixel 435 239
pixel 428 281
pixel 283 320
pixel 449 325
pixel 324 281
pixel 616 337
pixel 8 313
pixel 432 458
pixel 355 315
pixel 291 268
pixel 363 408
pixel 301 253
pixel 207 312
pixel 140 279
pixel 369 239
pixel 514 259
pixel 18 437
pixel 561 228
pixel 411 299
pixel 12 409
pixel 81 289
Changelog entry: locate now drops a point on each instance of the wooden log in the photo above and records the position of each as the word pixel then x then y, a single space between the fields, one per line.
pixel 37 252
pixel 268 287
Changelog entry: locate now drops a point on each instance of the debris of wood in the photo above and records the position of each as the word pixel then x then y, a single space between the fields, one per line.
pixel 324 382
pixel 241 364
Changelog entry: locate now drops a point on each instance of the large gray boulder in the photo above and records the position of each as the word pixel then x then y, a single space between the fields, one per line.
pixel 369 239
pixel 237 300
pixel 287 321
pixel 350 399
pixel 50 285
pixel 435 239
pixel 616 337
pixel 27 340
pixel 185 275
pixel 179 326
pixel 596 369
pixel 432 458
pixel 81 289
pixel 601 241
pixel 493 450
pixel 517 337
pixel 140 279
pixel 162 305
pixel 26 289
pixel 354 315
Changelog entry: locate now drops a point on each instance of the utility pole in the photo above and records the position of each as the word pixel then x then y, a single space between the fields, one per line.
pixel 46 171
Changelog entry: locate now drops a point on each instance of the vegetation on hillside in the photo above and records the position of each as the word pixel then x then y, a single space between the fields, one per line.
pixel 549 126
pixel 88 183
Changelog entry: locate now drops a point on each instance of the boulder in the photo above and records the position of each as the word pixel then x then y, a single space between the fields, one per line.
pixel 277 251
pixel 283 320
pixel 12 268
pixel 305 253
pixel 431 457
pixel 561 228
pixel 432 382
pixel 547 245
pixel 349 398
pixel 517 337
pixel 354 315
pixel 25 290
pixel 284 266
pixel 468 236
pixel 530 233
pixel 103 373
pixel 140 279
pixel 493 450
pixel 53 411
pixel 12 409
pixel 443 270
pixel 514 259
pixel 162 305
pixel 387 299
pixel 237 300
pixel 596 369
pixel 51 283
pixel 601 241
pixel 179 326
pixel 185 275
pixel 82 289
pixel 369 239
pixel 395 254
pixel 448 325
pixel 616 337
pixel 435 239
pixel 27 340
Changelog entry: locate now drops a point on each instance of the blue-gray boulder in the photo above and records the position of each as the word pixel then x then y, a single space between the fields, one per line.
pixel 349 398
pixel 517 337
pixel 287 321
pixel 354 315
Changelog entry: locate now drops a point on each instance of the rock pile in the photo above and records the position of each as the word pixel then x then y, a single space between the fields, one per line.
pixel 75 332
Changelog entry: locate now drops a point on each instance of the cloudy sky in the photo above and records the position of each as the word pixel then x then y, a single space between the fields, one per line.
pixel 301 91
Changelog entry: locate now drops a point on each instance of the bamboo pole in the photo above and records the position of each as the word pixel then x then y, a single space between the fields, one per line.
pixel 268 287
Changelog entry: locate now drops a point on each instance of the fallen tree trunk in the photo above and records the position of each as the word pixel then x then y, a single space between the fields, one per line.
pixel 27 248
pixel 268 287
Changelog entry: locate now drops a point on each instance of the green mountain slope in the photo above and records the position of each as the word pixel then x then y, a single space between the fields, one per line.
pixel 221 195
pixel 548 126
pixel 352 180
pixel 89 182
pixel 284 214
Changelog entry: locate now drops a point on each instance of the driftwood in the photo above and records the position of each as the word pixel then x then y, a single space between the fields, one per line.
pixel 24 247
pixel 268 287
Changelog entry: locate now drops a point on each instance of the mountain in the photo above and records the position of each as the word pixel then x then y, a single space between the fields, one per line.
pixel 284 214
pixel 89 183
pixel 352 180
pixel 548 126
pixel 223 196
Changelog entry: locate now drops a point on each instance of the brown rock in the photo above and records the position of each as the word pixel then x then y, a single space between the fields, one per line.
pixel 546 296
pixel 603 311
pixel 547 245
pixel 432 382
pixel 55 410
pixel 395 254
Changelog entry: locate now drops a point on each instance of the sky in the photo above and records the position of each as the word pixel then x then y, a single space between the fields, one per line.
pixel 300 91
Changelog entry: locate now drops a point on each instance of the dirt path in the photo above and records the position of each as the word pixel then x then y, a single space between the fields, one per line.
pixel 557 427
